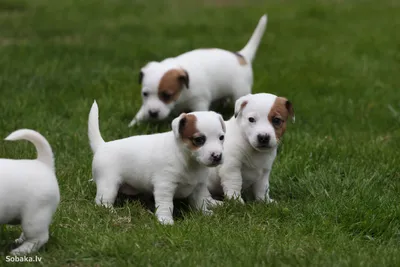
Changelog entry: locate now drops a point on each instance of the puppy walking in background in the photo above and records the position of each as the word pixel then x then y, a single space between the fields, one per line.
pixel 29 193
pixel 252 138
pixel 168 165
pixel 193 80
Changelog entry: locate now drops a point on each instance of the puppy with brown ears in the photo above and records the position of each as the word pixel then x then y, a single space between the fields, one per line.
pixel 193 80
pixel 168 165
pixel 252 139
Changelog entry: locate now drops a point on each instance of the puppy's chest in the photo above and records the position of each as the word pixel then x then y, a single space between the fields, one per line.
pixel 188 183
pixel 253 169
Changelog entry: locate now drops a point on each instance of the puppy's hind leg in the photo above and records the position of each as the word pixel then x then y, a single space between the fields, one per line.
pixel 35 226
pixel 107 190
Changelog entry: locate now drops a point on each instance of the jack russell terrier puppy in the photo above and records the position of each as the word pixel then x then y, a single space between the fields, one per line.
pixel 29 193
pixel 251 142
pixel 193 80
pixel 168 165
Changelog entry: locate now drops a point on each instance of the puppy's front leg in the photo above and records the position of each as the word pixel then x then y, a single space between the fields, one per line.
pixel 163 198
pixel 201 199
pixel 261 188
pixel 231 181
pixel 140 116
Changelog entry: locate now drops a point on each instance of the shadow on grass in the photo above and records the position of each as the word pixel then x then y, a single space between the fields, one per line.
pixel 12 5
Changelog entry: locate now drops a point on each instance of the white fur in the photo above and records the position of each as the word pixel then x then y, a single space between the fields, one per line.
pixel 160 164
pixel 213 74
pixel 247 165
pixel 29 193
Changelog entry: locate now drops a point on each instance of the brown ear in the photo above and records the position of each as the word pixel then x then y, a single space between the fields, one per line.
pixel 239 106
pixel 141 74
pixel 184 78
pixel 289 107
pixel 182 124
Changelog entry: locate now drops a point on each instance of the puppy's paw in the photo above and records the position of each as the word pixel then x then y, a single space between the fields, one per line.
pixel 207 212
pixel 20 251
pixel 165 220
pixel 133 123
pixel 211 203
pixel 19 240
pixel 270 200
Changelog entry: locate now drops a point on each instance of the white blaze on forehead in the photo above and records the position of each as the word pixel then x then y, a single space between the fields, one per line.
pixel 208 122
pixel 260 103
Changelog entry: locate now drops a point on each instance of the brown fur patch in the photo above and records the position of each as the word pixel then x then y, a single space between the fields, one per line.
pixel 188 130
pixel 171 85
pixel 241 59
pixel 242 106
pixel 281 109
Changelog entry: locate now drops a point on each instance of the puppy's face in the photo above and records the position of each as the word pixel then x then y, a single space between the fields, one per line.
pixel 262 119
pixel 202 133
pixel 161 88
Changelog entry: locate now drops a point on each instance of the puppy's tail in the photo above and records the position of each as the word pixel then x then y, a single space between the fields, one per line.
pixel 250 50
pixel 93 128
pixel 43 148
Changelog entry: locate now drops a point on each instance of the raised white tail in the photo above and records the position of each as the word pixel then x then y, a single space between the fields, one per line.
pixel 95 138
pixel 250 50
pixel 43 148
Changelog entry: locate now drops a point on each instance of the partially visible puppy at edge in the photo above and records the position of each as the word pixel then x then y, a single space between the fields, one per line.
pixel 29 193
pixel 193 80
pixel 252 139
pixel 168 165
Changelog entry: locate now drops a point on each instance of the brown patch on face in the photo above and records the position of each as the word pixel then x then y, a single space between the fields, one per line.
pixel 241 59
pixel 279 114
pixel 171 85
pixel 188 130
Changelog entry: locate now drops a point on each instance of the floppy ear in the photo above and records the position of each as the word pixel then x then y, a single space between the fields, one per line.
pixel 240 104
pixel 289 107
pixel 183 78
pixel 222 123
pixel 178 124
pixel 141 74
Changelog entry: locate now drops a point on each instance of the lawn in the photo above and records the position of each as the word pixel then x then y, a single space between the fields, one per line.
pixel 336 178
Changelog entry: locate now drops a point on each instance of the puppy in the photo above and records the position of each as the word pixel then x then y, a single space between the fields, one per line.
pixel 29 193
pixel 252 138
pixel 169 165
pixel 193 80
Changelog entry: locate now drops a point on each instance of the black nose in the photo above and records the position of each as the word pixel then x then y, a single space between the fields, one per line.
pixel 153 113
pixel 263 138
pixel 216 157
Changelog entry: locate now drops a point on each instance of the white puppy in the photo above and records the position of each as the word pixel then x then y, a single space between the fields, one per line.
pixel 168 165
pixel 252 138
pixel 29 193
pixel 193 80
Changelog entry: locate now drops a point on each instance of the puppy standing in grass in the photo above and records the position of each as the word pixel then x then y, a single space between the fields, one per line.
pixel 168 165
pixel 29 193
pixel 193 80
pixel 252 138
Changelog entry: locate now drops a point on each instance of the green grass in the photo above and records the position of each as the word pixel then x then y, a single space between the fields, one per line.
pixel 337 176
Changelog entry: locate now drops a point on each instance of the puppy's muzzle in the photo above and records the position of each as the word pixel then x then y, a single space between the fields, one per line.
pixel 263 139
pixel 216 158
pixel 153 113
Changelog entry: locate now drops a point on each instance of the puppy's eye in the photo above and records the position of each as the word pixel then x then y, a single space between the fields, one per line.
pixel 199 141
pixel 145 94
pixel 252 120
pixel 276 121
pixel 222 138
pixel 166 96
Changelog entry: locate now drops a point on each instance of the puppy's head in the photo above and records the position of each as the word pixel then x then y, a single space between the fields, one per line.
pixel 262 119
pixel 202 134
pixel 161 87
